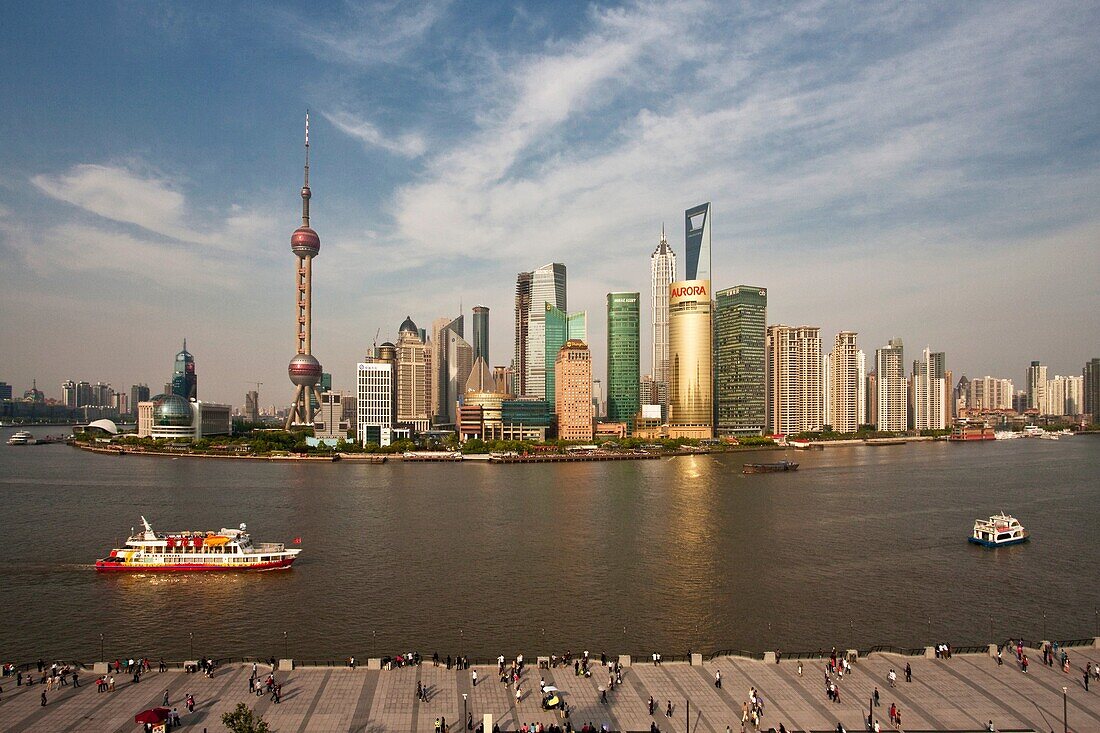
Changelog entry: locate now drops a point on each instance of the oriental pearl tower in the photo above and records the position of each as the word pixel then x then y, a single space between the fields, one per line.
pixel 304 369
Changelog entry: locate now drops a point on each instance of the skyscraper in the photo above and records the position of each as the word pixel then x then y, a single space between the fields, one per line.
pixel 1065 395
pixel 375 397
pixel 481 333
pixel 795 394
pixel 929 391
pixel 304 369
pixel 457 365
pixel 1036 386
pixel 573 391
pixel 138 393
pixel 185 382
pixel 559 327
pixel 690 394
pixel 519 354
pixel 740 330
pixel 990 393
pixel 68 393
pixel 844 383
pixel 662 268
pixel 893 413
pixel 252 405
pixel 623 356
pixel 861 394
pixel 547 286
pixel 412 378
pixel 697 234
pixel 1091 388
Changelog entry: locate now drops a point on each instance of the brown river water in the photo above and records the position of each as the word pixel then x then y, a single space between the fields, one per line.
pixel 861 546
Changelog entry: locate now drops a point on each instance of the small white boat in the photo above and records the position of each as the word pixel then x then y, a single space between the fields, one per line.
pixel 21 438
pixel 999 530
pixel 1032 431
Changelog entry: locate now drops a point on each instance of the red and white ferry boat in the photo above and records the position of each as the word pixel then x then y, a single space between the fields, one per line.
pixel 228 549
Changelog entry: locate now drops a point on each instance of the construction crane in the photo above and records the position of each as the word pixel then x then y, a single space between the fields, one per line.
pixel 258 384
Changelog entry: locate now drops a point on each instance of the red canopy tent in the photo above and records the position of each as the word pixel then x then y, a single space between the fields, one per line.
pixel 152 715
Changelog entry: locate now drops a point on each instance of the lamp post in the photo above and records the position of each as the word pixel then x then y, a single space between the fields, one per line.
pixel 190 645
pixel 101 657
pixel 1065 722
pixel 1044 626
pixel 286 646
pixel 464 713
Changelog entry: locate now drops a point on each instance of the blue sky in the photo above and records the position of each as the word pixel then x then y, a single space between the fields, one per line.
pixel 922 170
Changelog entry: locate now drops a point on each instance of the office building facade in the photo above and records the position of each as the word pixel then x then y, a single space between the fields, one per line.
pixel 697 242
pixel 691 379
pixel 547 287
pixel 573 397
pixel 559 327
pixel 412 378
pixel 375 398
pixel 623 356
pixel 740 332
pixel 1090 389
pixel 481 333
pixel 662 270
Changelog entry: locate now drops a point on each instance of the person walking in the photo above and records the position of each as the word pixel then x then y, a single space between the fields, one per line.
pixel 908 673
pixel 473 677
pixel 164 700
pixel 800 668
pixel 718 679
pixel 651 705
pixel 1087 679
pixel 668 710
pixel 1023 664
pixel 876 696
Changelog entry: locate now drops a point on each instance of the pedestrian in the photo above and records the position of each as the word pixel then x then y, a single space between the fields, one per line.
pixel 473 676
pixel 1086 679
pixel 876 696
pixel 1023 664
pixel 908 673
pixel 43 699
pixel 800 668
pixel 718 679
pixel 651 705
pixel 668 710
pixel 999 660
pixel 164 700
pixel 989 727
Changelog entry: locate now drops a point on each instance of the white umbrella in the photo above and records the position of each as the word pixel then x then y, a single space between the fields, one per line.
pixel 549 688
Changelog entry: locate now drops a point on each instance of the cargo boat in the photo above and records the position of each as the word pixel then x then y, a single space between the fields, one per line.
pixel 228 549
pixel 778 467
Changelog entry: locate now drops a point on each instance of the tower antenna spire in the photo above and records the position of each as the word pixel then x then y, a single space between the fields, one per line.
pixel 305 185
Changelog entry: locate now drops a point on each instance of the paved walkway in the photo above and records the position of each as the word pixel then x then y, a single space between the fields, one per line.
pixel 957 694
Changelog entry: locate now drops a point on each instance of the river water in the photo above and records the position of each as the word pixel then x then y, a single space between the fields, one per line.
pixel 861 546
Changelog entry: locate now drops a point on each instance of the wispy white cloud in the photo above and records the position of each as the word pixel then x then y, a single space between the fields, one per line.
pixel 410 145
pixel 369 33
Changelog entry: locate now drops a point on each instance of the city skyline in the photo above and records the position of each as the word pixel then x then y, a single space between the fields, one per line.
pixel 197 198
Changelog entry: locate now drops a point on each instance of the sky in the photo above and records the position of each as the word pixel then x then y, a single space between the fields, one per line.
pixel 929 171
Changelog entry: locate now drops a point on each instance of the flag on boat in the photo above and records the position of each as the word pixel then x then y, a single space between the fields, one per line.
pixel 297 540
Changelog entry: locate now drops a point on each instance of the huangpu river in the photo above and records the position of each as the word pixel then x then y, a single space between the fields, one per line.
pixel 861 546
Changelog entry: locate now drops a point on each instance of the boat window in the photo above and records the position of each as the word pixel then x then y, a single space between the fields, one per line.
pixel 1003 536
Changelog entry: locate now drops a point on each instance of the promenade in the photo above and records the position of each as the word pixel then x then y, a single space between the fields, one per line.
pixel 957 694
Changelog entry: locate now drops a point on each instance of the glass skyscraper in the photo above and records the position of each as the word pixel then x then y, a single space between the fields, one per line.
pixel 740 331
pixel 697 242
pixel 691 385
pixel 623 357
pixel 547 286
pixel 185 382
pixel 559 328
pixel 481 332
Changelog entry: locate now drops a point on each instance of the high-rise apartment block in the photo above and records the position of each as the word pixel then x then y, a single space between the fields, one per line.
pixel 1065 396
pixel 930 401
pixel 623 356
pixel 573 396
pixel 68 393
pixel 662 268
pixel 892 402
pixel 795 394
pixel 740 367
pixel 844 383
pixel 989 393
pixel 1090 389
pixel 1036 386
pixel 691 381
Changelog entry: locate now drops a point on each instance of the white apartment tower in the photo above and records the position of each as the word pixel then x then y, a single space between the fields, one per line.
pixel 861 388
pixel 892 390
pixel 990 393
pixel 929 388
pixel 795 385
pixel 844 381
pixel 662 267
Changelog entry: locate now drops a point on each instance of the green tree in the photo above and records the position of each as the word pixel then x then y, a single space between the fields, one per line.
pixel 244 720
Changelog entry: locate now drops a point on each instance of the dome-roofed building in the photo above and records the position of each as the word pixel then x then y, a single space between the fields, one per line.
pixel 171 416
pixel 171 411
pixel 407 326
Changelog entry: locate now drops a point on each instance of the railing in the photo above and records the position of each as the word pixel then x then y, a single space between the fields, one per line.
pixel 737 653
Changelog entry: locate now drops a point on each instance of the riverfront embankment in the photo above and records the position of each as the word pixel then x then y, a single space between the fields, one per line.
pixel 961 693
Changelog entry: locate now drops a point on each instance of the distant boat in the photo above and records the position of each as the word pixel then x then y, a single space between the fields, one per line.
pixel 1000 530
pixel 778 467
pixel 805 445
pixel 21 438
pixel 884 441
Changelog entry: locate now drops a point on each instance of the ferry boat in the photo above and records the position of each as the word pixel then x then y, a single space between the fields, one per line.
pixel 21 438
pixel 228 549
pixel 999 530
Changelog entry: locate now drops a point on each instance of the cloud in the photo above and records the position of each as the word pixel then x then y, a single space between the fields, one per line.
pixel 369 34
pixel 408 145
pixel 121 195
